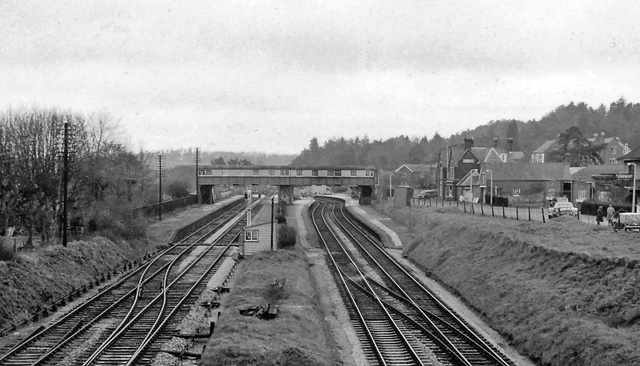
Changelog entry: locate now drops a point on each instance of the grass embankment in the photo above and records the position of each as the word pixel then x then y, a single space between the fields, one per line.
pixel 298 336
pixel 37 278
pixel 564 293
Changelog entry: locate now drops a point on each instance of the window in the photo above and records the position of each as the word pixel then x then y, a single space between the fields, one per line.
pixel 256 171
pixel 314 172
pixel 251 235
pixel 353 172
pixel 613 150
pixel 582 194
pixel 404 175
pixel 369 173
pixel 272 172
pixel 338 173
pixel 613 161
pixel 516 191
pixel 298 172
pixel 330 173
pixel 284 171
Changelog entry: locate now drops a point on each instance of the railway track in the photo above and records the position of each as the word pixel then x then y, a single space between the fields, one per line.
pixel 119 324
pixel 424 319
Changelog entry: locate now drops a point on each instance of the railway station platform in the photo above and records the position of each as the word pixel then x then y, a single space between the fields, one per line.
pixel 161 231
pixel 393 234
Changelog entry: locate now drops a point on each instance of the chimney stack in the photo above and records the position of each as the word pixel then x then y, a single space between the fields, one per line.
pixel 495 142
pixel 468 142
pixel 510 144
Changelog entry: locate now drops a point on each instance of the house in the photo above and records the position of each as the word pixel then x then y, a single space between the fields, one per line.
pixel 619 186
pixel 612 150
pixel 421 176
pixel 584 184
pixel 471 159
pixel 539 154
pixel 259 237
pixel 519 182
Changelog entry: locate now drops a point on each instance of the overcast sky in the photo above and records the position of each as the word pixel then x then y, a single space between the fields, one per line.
pixel 270 75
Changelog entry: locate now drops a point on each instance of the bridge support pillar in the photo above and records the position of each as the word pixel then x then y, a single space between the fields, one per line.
pixel 285 194
pixel 365 195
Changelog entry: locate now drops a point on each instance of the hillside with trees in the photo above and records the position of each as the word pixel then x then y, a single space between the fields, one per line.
pixel 575 123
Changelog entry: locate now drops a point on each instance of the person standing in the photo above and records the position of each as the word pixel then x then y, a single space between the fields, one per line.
pixel 599 215
pixel 610 212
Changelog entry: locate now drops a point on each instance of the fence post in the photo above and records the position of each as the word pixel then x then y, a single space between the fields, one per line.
pixel 529 212
pixel 543 218
pixel 492 214
pixel 481 209
pixel 473 209
pixel 464 205
pixel 517 215
pixel 503 215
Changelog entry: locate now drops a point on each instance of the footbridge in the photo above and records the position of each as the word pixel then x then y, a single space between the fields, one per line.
pixel 286 177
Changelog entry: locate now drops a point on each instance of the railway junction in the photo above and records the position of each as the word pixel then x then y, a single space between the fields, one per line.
pixel 340 308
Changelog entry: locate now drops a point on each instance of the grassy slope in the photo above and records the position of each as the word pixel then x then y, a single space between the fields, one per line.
pixel 47 274
pixel 564 293
pixel 296 337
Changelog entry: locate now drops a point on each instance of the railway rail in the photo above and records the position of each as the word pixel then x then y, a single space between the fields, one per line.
pixel 119 325
pixel 432 330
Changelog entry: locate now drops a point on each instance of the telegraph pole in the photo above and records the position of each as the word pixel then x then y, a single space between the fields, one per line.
pixel 271 223
pixel 160 173
pixel 198 177
pixel 65 183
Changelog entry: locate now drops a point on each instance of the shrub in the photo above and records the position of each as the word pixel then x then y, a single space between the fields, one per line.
pixel 287 236
pixel 6 253
pixel 117 222
pixel 281 219
pixel 340 189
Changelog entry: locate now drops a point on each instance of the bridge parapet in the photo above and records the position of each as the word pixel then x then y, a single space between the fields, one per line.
pixel 284 175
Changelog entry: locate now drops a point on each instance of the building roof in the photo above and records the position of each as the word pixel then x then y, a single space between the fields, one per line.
pixel 413 168
pixel 545 146
pixel 634 155
pixel 584 174
pixel 529 171
pixel 607 140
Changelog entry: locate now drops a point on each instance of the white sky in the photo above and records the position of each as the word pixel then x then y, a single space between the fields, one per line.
pixel 270 75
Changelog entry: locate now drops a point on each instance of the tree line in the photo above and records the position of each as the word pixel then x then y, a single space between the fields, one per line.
pixel 571 124
pixel 105 178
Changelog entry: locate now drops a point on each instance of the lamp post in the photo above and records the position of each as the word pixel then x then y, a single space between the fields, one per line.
pixel 633 195
pixel 471 182
pixel 272 223
pixel 491 193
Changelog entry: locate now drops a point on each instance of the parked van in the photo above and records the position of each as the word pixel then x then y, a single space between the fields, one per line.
pixel 428 193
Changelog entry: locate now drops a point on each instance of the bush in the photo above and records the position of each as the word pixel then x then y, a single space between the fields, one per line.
pixel 340 189
pixel 117 222
pixel 281 219
pixel 287 236
pixel 6 253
